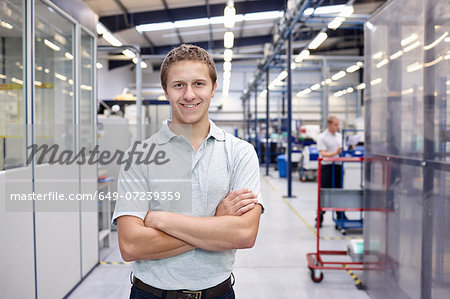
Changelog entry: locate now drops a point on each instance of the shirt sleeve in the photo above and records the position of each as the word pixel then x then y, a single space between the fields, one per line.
pixel 246 172
pixel 321 146
pixel 130 184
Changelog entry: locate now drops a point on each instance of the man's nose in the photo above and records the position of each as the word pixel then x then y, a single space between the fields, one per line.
pixel 189 95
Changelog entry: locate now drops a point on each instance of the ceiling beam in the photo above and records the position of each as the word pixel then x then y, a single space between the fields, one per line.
pixel 216 44
pixel 170 16
pixel 117 23
pixel 208 15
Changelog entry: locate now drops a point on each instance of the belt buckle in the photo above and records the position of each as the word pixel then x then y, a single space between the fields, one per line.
pixel 196 294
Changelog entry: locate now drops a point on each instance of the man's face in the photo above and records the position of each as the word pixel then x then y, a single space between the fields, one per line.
pixel 189 91
pixel 334 126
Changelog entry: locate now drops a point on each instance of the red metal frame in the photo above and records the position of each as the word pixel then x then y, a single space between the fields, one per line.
pixel 320 264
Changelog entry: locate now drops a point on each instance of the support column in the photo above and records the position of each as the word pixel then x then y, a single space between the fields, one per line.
pixel 267 124
pixel 289 115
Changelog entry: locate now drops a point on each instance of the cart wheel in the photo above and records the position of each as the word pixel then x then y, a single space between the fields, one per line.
pixel 343 231
pixel 316 276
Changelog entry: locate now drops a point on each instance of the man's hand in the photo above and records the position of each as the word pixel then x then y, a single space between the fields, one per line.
pixel 237 203
pixel 339 150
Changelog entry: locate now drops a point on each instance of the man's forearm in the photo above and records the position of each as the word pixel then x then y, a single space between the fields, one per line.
pixel 210 233
pixel 138 242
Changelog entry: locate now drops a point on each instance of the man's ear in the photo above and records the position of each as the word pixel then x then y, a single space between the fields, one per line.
pixel 214 90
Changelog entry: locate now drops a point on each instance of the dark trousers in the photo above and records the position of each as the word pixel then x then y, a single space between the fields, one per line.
pixel 326 181
pixel 137 293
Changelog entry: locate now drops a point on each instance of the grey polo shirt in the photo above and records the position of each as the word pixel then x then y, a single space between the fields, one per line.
pixel 202 180
pixel 329 142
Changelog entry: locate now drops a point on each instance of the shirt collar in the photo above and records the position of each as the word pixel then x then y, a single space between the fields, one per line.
pixel 165 134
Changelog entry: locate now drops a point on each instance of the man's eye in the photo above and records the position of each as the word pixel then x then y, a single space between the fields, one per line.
pixel 179 85
pixel 199 83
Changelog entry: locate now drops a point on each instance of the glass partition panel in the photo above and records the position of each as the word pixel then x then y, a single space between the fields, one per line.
pixel 54 94
pixel 12 101
pixel 87 91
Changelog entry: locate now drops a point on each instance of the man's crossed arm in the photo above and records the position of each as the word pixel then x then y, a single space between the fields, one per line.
pixel 165 234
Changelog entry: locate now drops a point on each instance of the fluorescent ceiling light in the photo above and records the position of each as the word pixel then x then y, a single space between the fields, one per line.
pixel 51 45
pixel 99 65
pixel 228 39
pixel 266 15
pixel 411 47
pixel 263 93
pixel 396 55
pixel 336 23
pixel 15 80
pixel 60 77
pixel 257 16
pixel 377 55
pixel 304 92
pixel 346 11
pixel 101 29
pixel 282 76
pixel 229 16
pixel 128 53
pixel 226 75
pixel 293 66
pixel 111 39
pixel 86 87
pixel 338 94
pixel 143 64
pixel 68 55
pixel 360 64
pixel 409 39
pixel 431 63
pixel 433 44
pixel 303 54
pixel 3 76
pixel 228 55
pixel 6 25
pixel 382 63
pixel 407 91
pixel 350 90
pixel 376 81
pixel 227 66
pixel 352 68
pixel 47 71
pixel 330 9
pixel 328 81
pixel 338 75
pixel 315 86
pixel 192 23
pixel 70 81
pixel 318 40
pixel 361 86
pixel 157 26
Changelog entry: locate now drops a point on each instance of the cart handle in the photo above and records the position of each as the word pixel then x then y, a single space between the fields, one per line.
pixel 353 159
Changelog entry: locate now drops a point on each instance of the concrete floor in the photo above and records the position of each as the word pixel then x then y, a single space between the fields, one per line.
pixel 274 268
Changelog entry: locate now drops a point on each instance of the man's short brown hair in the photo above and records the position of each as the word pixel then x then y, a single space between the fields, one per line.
pixel 331 118
pixel 190 53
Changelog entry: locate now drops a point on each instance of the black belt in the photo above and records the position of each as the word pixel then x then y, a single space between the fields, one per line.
pixel 217 290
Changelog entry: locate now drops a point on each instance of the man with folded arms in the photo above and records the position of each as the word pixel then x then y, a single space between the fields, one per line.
pixel 180 252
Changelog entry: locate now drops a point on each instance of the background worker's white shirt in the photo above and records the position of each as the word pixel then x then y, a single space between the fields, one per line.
pixel 329 142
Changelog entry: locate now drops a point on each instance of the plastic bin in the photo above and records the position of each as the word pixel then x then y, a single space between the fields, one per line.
pixel 281 161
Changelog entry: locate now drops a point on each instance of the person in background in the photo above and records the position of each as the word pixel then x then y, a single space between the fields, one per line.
pixel 329 145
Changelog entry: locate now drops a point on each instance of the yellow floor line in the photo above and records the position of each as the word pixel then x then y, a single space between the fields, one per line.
pixel 299 216
pixel 269 183
pixel 291 207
